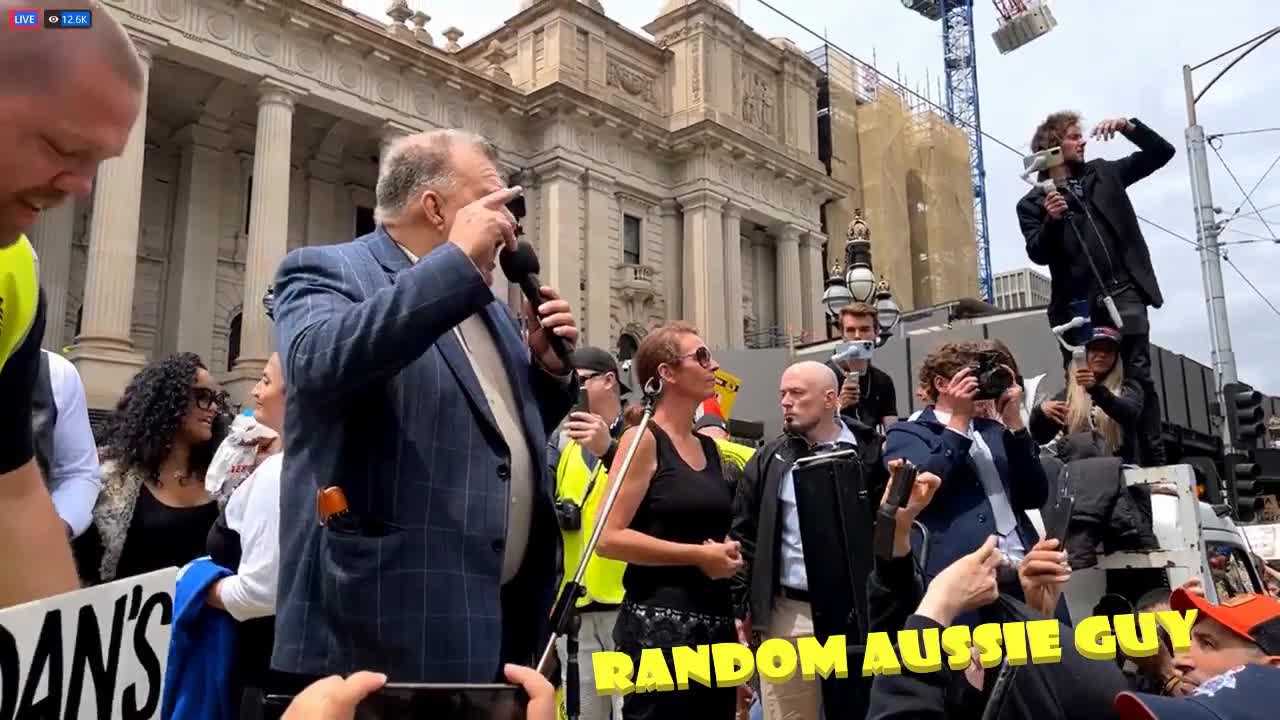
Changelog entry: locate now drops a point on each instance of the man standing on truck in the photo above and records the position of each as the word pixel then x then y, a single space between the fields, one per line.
pixel 1087 233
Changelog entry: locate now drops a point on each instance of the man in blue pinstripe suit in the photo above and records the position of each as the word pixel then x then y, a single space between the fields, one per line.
pixel 413 390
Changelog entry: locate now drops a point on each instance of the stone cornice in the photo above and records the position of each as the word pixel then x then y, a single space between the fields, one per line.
pixel 559 98
pixel 526 18
pixel 559 169
pixel 708 134
pixel 733 208
pixel 700 198
pixel 788 232
pixel 814 239
pixel 600 182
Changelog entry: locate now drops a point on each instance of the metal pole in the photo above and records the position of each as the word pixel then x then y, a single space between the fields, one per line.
pixel 1207 230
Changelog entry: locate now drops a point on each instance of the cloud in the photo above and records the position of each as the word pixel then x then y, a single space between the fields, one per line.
pixel 1105 58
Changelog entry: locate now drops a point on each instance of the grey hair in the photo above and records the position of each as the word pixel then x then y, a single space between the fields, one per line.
pixel 413 164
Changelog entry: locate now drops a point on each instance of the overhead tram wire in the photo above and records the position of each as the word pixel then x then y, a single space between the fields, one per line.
pixel 941 110
pixel 904 89
pixel 1247 195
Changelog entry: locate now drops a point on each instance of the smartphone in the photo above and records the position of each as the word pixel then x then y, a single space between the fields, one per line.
pixel 1058 518
pixel 901 483
pixel 412 701
pixel 584 401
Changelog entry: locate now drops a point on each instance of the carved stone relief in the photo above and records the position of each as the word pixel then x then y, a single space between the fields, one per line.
pixel 633 83
pixel 757 101
pixel 695 72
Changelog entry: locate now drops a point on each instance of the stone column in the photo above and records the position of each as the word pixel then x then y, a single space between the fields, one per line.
pixel 268 230
pixel 733 274
pixel 763 282
pixel 812 284
pixel 558 249
pixel 787 266
pixel 192 287
pixel 322 199
pixel 672 257
pixel 103 352
pixel 600 260
pixel 51 237
pixel 704 265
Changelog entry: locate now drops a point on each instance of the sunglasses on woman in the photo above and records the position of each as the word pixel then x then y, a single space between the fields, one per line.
pixel 207 399
pixel 702 356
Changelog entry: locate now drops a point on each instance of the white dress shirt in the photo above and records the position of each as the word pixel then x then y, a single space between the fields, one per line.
pixel 791 569
pixel 74 478
pixel 983 462
pixel 253 512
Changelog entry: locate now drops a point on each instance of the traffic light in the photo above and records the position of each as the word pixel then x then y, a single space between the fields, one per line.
pixel 1244 415
pixel 1245 427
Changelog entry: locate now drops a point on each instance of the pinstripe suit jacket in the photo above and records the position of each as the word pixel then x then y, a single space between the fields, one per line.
pixel 382 401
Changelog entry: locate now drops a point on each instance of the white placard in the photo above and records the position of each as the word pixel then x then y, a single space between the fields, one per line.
pixel 94 653
pixel 1264 540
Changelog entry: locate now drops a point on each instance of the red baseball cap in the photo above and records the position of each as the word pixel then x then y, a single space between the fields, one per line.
pixel 1253 617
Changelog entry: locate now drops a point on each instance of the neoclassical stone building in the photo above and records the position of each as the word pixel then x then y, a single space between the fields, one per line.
pixel 672 177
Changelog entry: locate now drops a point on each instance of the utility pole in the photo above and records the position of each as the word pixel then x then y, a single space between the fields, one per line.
pixel 1207 230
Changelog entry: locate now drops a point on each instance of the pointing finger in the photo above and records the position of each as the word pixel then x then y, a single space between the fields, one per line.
pixel 499 198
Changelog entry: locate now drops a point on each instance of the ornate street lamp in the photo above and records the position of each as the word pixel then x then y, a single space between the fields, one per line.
pixel 859 283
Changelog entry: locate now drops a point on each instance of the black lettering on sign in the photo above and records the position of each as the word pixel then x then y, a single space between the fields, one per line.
pixel 48 656
pixel 88 652
pixel 147 658
pixel 10 668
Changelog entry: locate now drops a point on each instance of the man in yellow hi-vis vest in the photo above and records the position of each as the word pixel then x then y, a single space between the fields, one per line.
pixel 580 458
pixel 67 102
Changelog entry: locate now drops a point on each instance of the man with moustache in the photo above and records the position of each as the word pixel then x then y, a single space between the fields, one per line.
pixel 67 102
pixel 411 390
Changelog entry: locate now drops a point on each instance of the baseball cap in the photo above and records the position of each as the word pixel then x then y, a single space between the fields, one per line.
pixel 1244 693
pixel 1252 617
pixel 1104 334
pixel 597 360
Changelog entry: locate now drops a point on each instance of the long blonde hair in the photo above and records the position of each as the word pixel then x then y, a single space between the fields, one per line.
pixel 1080 411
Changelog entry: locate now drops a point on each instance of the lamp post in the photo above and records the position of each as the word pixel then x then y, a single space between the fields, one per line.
pixel 859 283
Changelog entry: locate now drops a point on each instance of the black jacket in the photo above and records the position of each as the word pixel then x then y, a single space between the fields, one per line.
pixel 1125 408
pixel 756 513
pixel 1105 187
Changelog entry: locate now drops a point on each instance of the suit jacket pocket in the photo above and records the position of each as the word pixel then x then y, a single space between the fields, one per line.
pixel 363 588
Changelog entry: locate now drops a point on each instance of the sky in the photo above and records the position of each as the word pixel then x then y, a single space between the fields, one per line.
pixel 1106 58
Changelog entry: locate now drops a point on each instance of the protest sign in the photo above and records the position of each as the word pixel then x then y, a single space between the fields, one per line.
pixel 94 653
pixel 727 387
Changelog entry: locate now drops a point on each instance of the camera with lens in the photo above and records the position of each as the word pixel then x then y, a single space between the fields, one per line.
pixel 993 378
pixel 569 515
pixel 517 207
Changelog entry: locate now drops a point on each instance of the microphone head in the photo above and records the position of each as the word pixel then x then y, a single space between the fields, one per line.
pixel 518 263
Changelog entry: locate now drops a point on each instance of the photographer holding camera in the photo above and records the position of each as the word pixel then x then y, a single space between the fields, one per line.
pixel 579 458
pixel 867 394
pixel 990 469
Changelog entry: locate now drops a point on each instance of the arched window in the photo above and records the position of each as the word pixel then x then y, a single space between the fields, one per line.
pixel 627 346
pixel 233 341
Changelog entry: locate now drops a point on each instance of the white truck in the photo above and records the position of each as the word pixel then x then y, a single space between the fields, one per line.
pixel 1194 540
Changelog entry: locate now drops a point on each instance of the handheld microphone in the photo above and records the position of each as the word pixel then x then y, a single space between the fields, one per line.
pixel 521 267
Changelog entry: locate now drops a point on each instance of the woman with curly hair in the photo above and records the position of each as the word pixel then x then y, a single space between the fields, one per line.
pixel 153 511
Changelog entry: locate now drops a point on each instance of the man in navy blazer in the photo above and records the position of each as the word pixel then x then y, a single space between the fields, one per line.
pixel 990 469
pixel 412 389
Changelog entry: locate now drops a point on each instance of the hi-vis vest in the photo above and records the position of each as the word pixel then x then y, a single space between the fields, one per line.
pixel 19 295
pixel 732 452
pixel 603 578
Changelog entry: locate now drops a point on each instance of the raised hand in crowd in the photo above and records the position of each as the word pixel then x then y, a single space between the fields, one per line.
pixel 1085 378
pixel 922 492
pixel 966 584
pixel 482 228
pixel 1055 410
pixel 1043 573
pixel 334 698
pixel 1010 403
pixel 554 316
pixel 850 391
pixel 590 431
pixel 1107 129
pixel 957 398
pixel 1194 586
pixel 721 560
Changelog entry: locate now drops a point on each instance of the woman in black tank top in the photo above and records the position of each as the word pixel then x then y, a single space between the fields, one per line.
pixel 671 526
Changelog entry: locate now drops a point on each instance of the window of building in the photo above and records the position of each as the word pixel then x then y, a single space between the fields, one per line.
pixel 627 346
pixel 364 221
pixel 248 204
pixel 630 240
pixel 233 341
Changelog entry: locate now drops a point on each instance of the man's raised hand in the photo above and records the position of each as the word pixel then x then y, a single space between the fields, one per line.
pixel 485 227
pixel 1107 129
